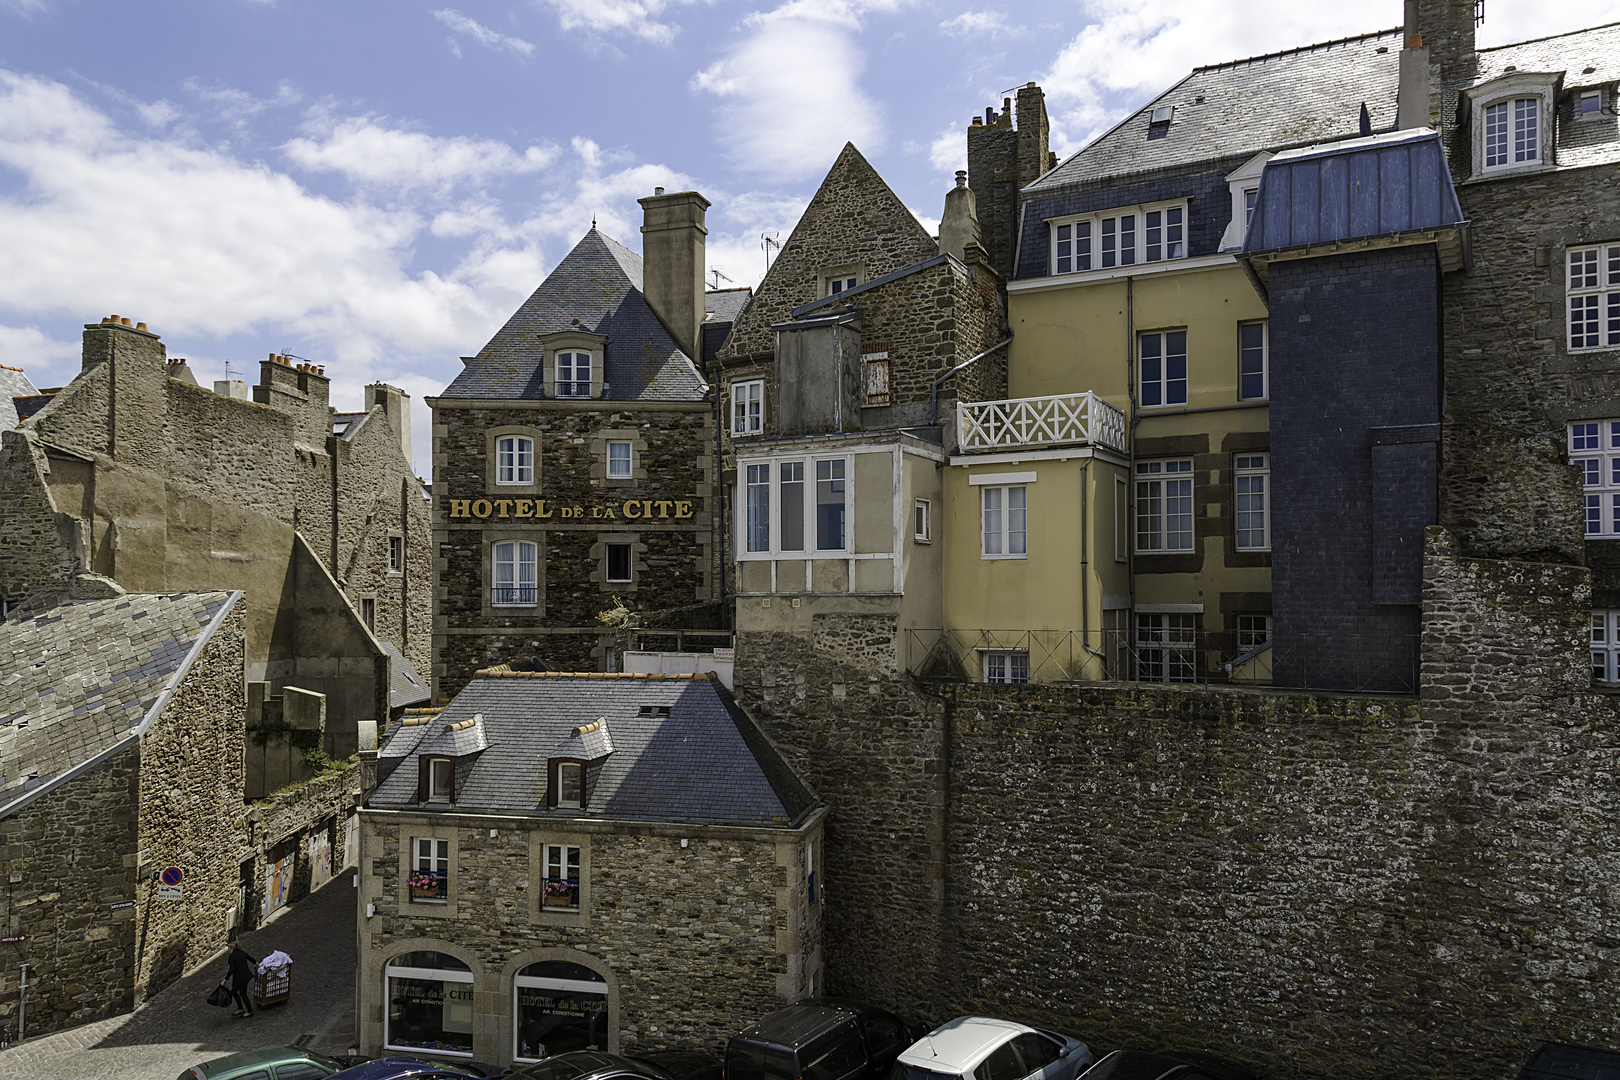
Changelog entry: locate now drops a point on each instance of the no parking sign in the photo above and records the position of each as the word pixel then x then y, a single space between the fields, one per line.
pixel 170 888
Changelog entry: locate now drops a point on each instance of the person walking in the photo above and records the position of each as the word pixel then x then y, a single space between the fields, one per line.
pixel 240 976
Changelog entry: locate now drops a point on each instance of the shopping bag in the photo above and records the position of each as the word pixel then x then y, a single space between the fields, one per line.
pixel 220 996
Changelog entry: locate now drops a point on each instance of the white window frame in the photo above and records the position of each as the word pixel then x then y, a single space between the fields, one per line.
pixel 577 770
pixel 1251 500
pixel 1151 500
pixel 1164 385
pixel 430 853
pixel 1089 237
pixel 1252 631
pixel 1265 360
pixel 1001 528
pixel 1507 93
pixel 578 361
pixel 1604 635
pixel 1582 96
pixel 1594 445
pixel 1009 666
pixel 1515 123
pixel 772 503
pixel 922 521
pixel 368 612
pixel 748 407
pixel 394 971
pixel 1592 297
pixel 1244 185
pixel 396 553
pixel 1165 645
pixel 514 460
pixel 556 857
pixel 627 458
pixel 518 548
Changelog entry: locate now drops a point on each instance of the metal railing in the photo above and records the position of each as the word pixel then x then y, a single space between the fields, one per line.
pixel 697 641
pixel 514 595
pixel 1357 663
pixel 428 886
pixel 1038 421
pixel 560 892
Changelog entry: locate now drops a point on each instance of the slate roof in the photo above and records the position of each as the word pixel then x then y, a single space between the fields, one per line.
pixel 596 288
pixel 13 383
pixel 345 424
pixel 704 763
pixel 723 305
pixel 1580 142
pixel 1285 99
pixel 84 678
pixel 405 685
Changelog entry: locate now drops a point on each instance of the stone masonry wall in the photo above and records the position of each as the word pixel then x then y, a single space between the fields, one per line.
pixel 40 548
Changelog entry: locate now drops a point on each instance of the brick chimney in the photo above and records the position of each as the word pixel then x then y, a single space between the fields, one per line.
pixel 1001 160
pixel 672 264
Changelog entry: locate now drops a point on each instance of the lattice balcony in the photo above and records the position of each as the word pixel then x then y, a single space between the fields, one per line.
pixel 1040 421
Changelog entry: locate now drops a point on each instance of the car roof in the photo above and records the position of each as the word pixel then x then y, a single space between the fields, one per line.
pixel 264 1055
pixel 1144 1065
pixel 962 1043
pixel 800 1022
pixel 398 1065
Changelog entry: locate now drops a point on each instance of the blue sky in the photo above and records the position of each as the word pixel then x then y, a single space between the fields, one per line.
pixel 376 186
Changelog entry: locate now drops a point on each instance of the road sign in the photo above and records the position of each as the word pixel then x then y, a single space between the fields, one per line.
pixel 172 875
pixel 19 937
pixel 170 892
pixel 122 904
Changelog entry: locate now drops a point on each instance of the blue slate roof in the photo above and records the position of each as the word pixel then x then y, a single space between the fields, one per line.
pixel 1354 189
pixel 80 680
pixel 596 288
pixel 680 751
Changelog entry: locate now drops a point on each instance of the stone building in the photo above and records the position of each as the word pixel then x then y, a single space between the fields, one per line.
pixel 569 862
pixel 13 384
pixel 574 461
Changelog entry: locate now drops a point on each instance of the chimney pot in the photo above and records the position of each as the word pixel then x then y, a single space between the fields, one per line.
pixel 274 358
pixel 658 191
pixel 961 178
pixel 123 322
pixel 105 319
pixel 142 326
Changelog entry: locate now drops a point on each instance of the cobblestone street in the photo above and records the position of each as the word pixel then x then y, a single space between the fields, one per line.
pixel 178 1029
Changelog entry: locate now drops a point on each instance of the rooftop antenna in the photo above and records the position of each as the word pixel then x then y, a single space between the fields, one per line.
pixel 714 272
pixel 768 241
pixel 228 371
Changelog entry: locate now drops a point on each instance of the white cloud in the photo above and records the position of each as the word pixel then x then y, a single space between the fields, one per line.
pixel 22 7
pixel 636 18
pixel 1507 21
pixel 237 107
pixel 46 361
pixel 948 151
pixel 369 152
pixel 979 24
pixel 482 34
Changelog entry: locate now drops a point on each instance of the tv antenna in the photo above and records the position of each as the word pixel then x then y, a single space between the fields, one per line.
pixel 714 272
pixel 768 241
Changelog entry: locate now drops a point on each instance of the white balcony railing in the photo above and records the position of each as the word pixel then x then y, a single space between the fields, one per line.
pixel 1040 421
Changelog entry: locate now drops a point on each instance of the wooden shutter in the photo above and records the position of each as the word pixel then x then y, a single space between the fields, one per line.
pixel 424 777
pixel 551 782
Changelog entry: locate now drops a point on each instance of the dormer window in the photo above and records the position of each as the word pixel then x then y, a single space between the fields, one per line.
pixel 1244 184
pixel 573 374
pixel 1589 106
pixel 1512 117
pixel 1512 133
pixel 570 785
pixel 1122 237
pixel 436 782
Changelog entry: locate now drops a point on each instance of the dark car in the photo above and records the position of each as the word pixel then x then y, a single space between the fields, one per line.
pixel 404 1067
pixel 596 1065
pixel 282 1062
pixel 1174 1065
pixel 1565 1061
pixel 819 1039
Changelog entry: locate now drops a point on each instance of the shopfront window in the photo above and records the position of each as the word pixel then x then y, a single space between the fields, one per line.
pixel 430 1004
pixel 560 1007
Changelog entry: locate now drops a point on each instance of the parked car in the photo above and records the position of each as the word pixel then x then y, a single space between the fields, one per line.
pixel 595 1065
pixel 405 1067
pixel 1174 1065
pixel 978 1048
pixel 819 1039
pixel 266 1063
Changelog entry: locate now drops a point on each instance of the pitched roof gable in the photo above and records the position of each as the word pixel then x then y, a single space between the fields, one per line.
pixel 855 218
pixel 596 288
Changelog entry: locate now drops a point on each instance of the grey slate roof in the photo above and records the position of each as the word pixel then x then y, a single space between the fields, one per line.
pixel 405 685
pixel 723 305
pixel 587 741
pixel 704 763
pixel 1294 98
pixel 13 383
pixel 345 424
pixel 1580 143
pixel 596 288
pixel 82 678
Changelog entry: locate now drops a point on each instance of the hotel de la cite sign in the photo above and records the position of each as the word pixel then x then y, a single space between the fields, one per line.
pixel 546 509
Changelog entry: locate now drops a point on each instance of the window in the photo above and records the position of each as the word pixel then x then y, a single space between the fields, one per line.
pixel 792 493
pixel 1253 374
pixel 1606 646
pixel 1002 1064
pixel 560 1008
pixel 877 379
pixel 396 554
pixel 430 1004
pixel 1123 237
pixel 516 574
pixel 1590 105
pixel 1004 512
pixel 1513 132
pixel 834 1056
pixel 441 779
pixel 1006 667
pixel 1165 647
pixel 430 871
pixel 922 522
pixel 573 374
pixel 759 508
pixel 618 562
pixel 1253 631
pixel 1594 445
pixel 561 886
pixel 748 407
pixel 570 785
pixel 514 460
pixel 1250 479
pixel 1251 196
pixel 1593 288
pixel 1164 368
pixel 368 612
pixel 841 283
pixel 830 505
pixel 1164 506
pixel 1037 1051
pixel 618 460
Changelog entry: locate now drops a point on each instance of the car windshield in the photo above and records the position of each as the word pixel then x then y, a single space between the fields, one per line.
pixel 557 1068
pixel 902 1071
pixel 755 1063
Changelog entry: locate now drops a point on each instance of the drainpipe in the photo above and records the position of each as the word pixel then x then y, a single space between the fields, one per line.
pixel 933 391
pixel 720 498
pixel 1085 590
pixel 22 1003
pixel 1130 480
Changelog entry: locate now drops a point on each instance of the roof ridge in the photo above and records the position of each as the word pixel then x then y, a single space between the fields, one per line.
pixel 501 672
pixel 1299 49
pixel 1549 37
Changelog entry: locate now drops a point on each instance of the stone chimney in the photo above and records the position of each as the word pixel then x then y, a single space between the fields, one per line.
pixel 1001 160
pixel 672 264
pixel 1034 135
pixel 397 404
pixel 959 226
pixel 1445 28
pixel 137 387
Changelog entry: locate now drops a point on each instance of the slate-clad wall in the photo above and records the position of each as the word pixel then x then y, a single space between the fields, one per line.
pixel 1205 185
pixel 1337 377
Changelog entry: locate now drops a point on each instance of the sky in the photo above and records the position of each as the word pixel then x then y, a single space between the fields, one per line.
pixel 376 185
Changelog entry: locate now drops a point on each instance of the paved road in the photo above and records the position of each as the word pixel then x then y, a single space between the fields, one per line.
pixel 178 1028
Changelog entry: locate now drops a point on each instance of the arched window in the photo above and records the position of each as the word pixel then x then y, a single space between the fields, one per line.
pixel 430 1004
pixel 558 1007
pixel 514 460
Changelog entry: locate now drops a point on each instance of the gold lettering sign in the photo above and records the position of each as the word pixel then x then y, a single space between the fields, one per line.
pixel 546 510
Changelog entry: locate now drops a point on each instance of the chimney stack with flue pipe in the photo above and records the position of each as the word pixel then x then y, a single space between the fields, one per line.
pixel 672 264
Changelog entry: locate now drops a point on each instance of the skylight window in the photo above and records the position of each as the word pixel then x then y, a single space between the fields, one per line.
pixel 1163 113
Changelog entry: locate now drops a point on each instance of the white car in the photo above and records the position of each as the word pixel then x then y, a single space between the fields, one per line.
pixel 978 1048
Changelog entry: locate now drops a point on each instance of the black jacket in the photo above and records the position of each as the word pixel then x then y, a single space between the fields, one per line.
pixel 242 965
